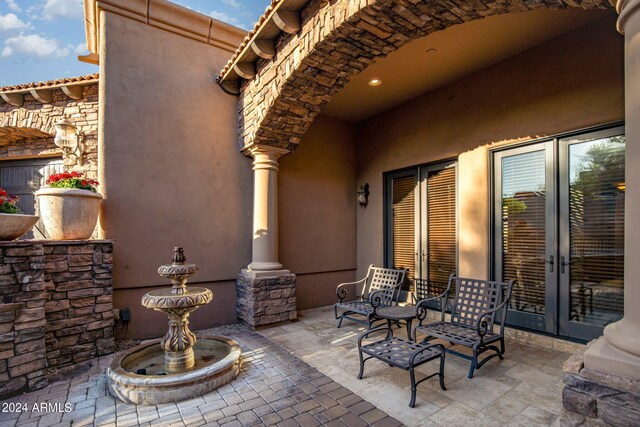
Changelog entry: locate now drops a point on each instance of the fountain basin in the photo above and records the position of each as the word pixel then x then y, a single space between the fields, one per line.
pixel 217 363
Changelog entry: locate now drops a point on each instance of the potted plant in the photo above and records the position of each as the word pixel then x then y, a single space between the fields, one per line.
pixel 69 206
pixel 13 223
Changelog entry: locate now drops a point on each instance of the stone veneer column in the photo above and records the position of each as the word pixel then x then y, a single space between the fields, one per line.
pixel 618 351
pixel 265 292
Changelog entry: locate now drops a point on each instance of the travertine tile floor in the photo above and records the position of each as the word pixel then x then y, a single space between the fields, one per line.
pixel 278 388
pixel 524 389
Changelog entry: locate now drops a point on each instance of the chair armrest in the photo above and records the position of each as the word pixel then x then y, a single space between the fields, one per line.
pixel 421 307
pixel 371 331
pixel 341 291
pixel 482 325
pixel 375 298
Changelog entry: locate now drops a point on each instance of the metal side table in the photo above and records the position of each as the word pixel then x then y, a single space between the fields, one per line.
pixel 398 313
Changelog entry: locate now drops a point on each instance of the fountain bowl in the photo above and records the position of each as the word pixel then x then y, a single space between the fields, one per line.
pixel 217 363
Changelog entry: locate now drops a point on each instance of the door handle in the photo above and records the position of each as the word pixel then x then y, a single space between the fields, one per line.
pixel 550 262
pixel 563 263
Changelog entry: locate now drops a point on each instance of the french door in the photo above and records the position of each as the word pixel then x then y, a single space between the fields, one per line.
pixel 559 231
pixel 421 225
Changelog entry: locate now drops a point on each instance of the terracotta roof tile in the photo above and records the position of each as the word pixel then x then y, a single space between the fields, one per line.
pixel 249 37
pixel 49 83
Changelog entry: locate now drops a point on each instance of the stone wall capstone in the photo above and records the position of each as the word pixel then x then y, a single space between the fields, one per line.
pixel 339 39
pixel 56 308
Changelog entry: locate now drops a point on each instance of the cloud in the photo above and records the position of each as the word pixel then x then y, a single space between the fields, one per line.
pixel 11 22
pixel 33 45
pixel 64 8
pixel 232 3
pixel 80 49
pixel 13 6
pixel 224 17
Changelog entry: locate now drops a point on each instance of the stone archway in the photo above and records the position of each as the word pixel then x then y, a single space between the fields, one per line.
pixel 22 123
pixel 28 114
pixel 26 133
pixel 280 97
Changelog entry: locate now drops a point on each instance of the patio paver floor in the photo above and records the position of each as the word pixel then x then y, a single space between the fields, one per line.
pixel 274 388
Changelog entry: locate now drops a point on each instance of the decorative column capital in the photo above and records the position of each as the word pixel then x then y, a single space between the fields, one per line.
pixel 266 156
pixel 625 9
pixel 266 150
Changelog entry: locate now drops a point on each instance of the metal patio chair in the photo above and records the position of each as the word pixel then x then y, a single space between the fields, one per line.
pixel 378 288
pixel 474 310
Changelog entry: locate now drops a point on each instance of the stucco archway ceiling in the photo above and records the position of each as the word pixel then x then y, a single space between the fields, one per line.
pixel 446 56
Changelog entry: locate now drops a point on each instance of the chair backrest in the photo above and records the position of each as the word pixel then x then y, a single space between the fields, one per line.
pixel 423 289
pixel 474 297
pixel 386 280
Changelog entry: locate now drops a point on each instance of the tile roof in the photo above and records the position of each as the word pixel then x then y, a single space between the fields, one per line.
pixel 49 83
pixel 250 35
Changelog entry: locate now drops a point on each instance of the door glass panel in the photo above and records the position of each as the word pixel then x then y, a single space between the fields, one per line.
pixel 441 228
pixel 596 218
pixel 404 245
pixel 523 229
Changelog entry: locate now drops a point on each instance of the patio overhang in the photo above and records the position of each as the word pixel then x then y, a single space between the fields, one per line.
pixel 43 91
pixel 284 86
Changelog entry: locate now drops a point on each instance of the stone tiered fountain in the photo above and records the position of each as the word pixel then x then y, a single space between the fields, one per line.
pixel 178 366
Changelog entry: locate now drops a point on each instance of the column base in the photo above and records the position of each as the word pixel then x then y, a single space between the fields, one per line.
pixel 264 273
pixel 592 397
pixel 264 266
pixel 603 356
pixel 266 297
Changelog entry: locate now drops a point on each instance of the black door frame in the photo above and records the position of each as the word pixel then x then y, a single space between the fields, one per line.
pixel 556 320
pixel 420 173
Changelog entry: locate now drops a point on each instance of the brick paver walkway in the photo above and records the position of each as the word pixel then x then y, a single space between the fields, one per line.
pixel 274 388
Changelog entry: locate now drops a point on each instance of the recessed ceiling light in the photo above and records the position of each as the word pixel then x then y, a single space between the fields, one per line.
pixel 375 82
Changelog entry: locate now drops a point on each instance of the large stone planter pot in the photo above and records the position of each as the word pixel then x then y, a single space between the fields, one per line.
pixel 13 226
pixel 68 214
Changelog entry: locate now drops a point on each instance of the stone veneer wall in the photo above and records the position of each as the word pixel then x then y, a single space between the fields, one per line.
pixel 39 117
pixel 595 398
pixel 265 300
pixel 23 359
pixel 55 308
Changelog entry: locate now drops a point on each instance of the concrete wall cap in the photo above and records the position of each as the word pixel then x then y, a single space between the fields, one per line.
pixel 164 15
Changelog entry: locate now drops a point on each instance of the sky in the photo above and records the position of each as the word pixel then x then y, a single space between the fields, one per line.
pixel 41 39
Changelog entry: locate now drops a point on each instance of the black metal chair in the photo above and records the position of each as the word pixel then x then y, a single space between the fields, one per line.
pixel 378 288
pixel 474 310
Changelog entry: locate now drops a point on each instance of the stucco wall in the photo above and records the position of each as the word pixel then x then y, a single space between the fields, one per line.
pixel 171 170
pixel 571 82
pixel 317 202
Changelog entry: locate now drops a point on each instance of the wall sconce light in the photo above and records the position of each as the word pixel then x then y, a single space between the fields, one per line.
pixel 363 195
pixel 69 139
